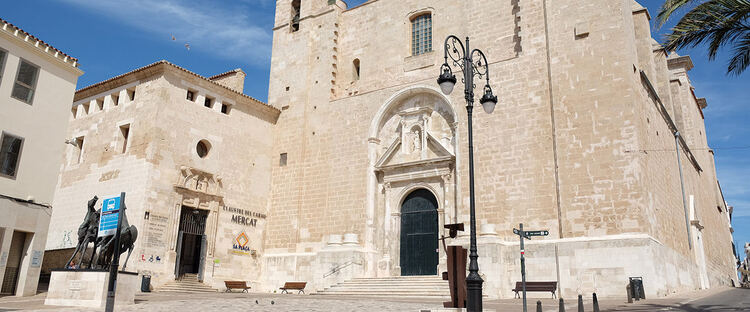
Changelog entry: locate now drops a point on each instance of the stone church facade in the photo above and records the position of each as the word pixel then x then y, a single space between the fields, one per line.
pixel 358 160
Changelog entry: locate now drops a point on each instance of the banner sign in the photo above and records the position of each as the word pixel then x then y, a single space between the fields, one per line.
pixel 109 216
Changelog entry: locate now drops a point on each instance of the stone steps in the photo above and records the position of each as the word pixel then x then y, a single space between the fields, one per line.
pixel 188 284
pixel 432 287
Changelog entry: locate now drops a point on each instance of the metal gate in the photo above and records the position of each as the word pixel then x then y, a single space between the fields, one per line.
pixel 419 234
pixel 192 222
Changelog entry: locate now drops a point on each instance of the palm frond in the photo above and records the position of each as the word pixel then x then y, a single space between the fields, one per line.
pixel 740 57
pixel 717 22
pixel 669 8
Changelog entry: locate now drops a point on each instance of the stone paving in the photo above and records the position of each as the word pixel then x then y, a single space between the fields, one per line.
pixel 182 302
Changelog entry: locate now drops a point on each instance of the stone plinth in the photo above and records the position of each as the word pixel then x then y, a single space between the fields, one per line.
pixel 88 288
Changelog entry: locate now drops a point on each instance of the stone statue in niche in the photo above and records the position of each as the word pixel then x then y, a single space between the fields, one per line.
pixel 417 140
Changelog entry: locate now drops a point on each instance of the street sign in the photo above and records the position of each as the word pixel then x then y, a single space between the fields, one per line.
pixel 109 216
pixel 536 233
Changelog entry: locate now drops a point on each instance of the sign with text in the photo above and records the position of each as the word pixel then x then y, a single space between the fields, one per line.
pixel 109 216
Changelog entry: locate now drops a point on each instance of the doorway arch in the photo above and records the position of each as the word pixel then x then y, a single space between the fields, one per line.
pixel 419 233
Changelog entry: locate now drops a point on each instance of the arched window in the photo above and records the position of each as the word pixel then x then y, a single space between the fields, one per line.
pixel 421 34
pixel 356 69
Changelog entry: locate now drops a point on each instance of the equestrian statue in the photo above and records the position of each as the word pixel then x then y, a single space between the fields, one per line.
pixel 88 233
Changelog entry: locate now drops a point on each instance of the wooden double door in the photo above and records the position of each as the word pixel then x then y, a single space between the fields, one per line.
pixel 419 234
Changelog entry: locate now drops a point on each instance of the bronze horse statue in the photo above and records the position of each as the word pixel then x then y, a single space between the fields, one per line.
pixel 128 236
pixel 87 233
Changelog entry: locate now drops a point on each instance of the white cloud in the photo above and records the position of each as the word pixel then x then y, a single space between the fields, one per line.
pixel 227 32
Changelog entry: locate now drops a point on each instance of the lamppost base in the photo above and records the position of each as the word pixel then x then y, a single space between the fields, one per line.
pixel 474 293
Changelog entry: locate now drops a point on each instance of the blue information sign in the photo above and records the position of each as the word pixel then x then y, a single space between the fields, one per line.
pixel 109 216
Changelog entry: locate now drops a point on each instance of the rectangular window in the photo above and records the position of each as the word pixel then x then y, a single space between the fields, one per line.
pixel 421 34
pixel 78 150
pixel 3 55
pixel 124 133
pixel 225 108
pixel 190 96
pixel 282 160
pixel 10 154
pixel 295 15
pixel 208 102
pixel 25 84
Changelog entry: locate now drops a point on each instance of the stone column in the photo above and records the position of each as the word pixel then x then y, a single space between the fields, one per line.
pixel 372 182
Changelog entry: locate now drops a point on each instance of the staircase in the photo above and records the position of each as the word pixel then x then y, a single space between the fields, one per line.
pixel 188 284
pixel 429 287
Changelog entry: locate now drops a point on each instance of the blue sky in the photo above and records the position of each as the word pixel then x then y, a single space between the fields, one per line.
pixel 111 37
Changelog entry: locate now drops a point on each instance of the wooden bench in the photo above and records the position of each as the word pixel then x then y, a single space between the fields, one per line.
pixel 536 286
pixel 236 285
pixel 300 286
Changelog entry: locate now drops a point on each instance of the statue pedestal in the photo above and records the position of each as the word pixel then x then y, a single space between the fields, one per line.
pixel 88 288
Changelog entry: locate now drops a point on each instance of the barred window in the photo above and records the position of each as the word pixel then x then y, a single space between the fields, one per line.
pixel 421 34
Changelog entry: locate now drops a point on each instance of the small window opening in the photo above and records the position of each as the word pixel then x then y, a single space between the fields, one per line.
pixel 282 159
pixel 100 103
pixel 74 110
pixel 225 108
pixel 78 150
pixel 190 96
pixel 115 99
pixel 356 69
pixel 295 15
pixel 124 134
pixel 202 148
pixel 208 102
pixel 85 107
pixel 131 94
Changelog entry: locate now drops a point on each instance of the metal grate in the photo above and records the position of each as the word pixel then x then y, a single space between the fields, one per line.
pixel 193 221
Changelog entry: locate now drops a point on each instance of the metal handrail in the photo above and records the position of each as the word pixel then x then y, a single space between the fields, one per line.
pixel 340 267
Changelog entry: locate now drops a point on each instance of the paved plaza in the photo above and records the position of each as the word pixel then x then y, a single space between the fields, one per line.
pixel 725 299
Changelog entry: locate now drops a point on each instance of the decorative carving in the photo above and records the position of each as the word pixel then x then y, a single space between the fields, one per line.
pixel 199 181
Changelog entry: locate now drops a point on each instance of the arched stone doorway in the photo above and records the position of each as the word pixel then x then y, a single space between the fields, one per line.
pixel 412 146
pixel 419 234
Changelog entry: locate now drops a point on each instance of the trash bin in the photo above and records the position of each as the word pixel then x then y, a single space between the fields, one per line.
pixel 146 283
pixel 636 288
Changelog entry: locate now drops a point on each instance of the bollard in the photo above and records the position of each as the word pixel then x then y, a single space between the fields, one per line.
pixel 596 303
pixel 580 303
pixel 562 305
pixel 539 306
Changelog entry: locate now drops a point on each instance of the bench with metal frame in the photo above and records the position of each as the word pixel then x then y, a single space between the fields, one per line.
pixel 536 286
pixel 300 286
pixel 236 285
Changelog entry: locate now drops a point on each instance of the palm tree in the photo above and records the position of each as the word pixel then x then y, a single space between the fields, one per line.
pixel 718 23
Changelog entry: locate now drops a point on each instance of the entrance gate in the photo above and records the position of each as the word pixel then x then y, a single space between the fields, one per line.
pixel 191 243
pixel 419 234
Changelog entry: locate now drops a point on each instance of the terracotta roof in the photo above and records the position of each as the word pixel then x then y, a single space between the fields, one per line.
pixel 20 33
pixel 167 63
pixel 238 70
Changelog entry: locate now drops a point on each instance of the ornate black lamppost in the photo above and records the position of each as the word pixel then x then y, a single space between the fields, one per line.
pixel 471 62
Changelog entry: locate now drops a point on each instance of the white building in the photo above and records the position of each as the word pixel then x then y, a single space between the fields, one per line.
pixel 37 83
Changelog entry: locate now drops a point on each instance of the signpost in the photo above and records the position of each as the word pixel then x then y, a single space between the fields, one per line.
pixel 525 234
pixel 109 224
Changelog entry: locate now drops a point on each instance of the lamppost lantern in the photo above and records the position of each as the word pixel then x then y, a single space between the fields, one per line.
pixel 489 100
pixel 472 63
pixel 446 80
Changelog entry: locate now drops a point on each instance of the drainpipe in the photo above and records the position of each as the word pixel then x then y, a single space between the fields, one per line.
pixel 682 185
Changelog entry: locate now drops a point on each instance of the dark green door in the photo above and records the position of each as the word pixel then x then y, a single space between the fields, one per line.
pixel 419 234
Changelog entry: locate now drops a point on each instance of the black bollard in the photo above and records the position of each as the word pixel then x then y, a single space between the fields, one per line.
pixel 562 305
pixel 539 306
pixel 580 303
pixel 596 303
